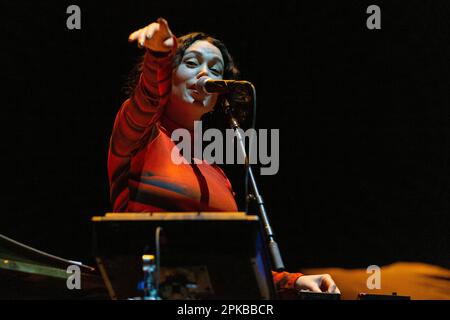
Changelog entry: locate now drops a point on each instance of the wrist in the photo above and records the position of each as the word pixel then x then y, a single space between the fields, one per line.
pixel 159 54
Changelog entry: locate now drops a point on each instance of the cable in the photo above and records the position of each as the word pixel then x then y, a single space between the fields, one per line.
pixel 247 164
pixel 158 257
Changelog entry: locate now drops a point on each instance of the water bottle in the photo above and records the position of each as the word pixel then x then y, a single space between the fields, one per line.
pixel 149 283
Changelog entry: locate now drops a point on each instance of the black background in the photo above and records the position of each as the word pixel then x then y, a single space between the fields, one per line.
pixel 363 116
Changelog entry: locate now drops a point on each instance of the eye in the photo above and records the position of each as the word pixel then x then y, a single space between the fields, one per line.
pixel 191 63
pixel 216 72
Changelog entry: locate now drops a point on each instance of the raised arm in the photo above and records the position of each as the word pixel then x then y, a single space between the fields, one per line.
pixel 137 113
pixel 152 91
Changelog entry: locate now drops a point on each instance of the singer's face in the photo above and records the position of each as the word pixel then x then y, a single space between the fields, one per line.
pixel 200 59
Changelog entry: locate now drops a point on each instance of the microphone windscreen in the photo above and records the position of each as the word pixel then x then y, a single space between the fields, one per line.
pixel 201 84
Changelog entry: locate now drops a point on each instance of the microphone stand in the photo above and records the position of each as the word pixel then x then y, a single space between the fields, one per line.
pixel 270 237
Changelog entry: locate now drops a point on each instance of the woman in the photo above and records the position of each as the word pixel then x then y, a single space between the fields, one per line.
pixel 142 176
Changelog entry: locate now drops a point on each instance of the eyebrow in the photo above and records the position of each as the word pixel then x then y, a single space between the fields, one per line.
pixel 198 53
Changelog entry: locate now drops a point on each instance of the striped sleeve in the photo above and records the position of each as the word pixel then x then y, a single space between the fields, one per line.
pixel 134 120
pixel 150 96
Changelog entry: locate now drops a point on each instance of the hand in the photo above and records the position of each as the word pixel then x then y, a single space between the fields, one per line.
pixel 156 36
pixel 317 283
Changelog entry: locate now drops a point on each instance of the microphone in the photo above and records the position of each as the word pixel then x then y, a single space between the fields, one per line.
pixel 208 85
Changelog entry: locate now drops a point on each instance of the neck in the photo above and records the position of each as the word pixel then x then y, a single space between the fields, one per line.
pixel 184 116
pixel 171 125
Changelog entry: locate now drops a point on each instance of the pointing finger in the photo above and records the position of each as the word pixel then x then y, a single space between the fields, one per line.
pixel 134 36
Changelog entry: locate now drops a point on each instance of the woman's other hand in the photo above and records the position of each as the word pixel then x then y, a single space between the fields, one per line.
pixel 317 283
pixel 156 36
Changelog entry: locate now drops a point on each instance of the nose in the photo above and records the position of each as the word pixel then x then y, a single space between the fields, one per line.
pixel 203 72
